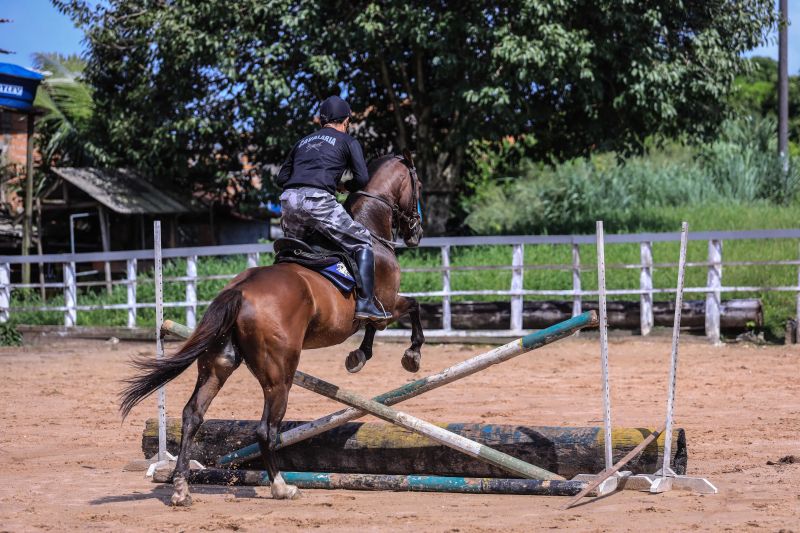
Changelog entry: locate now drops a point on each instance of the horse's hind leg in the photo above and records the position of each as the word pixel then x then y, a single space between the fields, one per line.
pixel 413 355
pixel 275 400
pixel 274 367
pixel 211 376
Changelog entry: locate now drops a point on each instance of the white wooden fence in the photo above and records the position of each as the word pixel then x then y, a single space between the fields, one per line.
pixel 713 289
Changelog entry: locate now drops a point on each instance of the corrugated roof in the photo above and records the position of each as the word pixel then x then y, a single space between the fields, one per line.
pixel 9 69
pixel 122 191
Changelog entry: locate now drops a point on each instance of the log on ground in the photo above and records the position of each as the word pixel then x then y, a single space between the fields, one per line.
pixel 735 315
pixel 377 448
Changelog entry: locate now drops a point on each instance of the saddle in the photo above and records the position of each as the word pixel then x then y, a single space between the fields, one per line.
pixel 336 266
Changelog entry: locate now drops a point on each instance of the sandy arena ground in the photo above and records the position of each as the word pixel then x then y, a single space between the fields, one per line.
pixel 63 447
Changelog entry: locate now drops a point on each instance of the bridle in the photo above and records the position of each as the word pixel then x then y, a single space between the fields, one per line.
pixel 411 219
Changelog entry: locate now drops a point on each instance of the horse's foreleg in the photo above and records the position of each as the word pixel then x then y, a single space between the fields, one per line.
pixel 412 356
pixel 358 358
pixel 211 376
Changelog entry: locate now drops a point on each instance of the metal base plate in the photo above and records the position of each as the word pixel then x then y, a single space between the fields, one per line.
pixel 614 483
pixel 154 464
pixel 653 483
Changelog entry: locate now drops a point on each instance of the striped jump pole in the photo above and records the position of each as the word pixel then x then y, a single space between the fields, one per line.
pixel 458 371
pixel 396 483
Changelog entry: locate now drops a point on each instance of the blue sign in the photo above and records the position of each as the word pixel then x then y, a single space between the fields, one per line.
pixel 18 86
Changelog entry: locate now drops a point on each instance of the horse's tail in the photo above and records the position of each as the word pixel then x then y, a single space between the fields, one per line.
pixel 210 334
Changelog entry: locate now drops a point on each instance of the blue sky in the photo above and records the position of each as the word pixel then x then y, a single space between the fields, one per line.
pixel 39 27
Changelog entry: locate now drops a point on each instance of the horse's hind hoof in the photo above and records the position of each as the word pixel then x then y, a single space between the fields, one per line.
pixel 355 361
pixel 181 496
pixel 181 501
pixel 410 360
pixel 281 491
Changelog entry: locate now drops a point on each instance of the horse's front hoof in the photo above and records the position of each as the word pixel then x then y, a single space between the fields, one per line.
pixel 355 361
pixel 410 360
pixel 181 496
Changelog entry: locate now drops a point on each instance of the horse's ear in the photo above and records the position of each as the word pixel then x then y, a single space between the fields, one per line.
pixel 407 157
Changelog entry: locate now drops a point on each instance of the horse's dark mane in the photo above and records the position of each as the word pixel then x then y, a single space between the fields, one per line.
pixel 376 162
pixel 372 166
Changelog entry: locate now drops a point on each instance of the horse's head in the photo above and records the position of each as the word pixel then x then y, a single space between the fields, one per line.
pixel 395 186
pixel 409 212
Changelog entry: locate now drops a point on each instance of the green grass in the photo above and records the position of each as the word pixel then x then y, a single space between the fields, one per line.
pixel 777 306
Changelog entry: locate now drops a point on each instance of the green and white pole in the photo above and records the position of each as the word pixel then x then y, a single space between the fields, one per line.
pixel 461 370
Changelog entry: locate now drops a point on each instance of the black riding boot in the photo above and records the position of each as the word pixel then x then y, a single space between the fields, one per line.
pixel 365 303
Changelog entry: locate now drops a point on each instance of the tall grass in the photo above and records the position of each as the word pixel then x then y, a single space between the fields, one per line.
pixel 741 167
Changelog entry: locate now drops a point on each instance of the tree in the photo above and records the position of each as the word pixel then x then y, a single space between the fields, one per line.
pixel 64 131
pixel 756 94
pixel 185 88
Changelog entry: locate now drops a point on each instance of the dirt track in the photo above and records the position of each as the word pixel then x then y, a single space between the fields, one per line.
pixel 63 447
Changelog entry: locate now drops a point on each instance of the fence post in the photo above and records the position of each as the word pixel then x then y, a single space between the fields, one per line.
pixel 646 284
pixel 252 260
pixel 577 306
pixel 796 339
pixel 517 273
pixel 713 294
pixel 5 291
pixel 70 295
pixel 447 319
pixel 191 291
pixel 131 287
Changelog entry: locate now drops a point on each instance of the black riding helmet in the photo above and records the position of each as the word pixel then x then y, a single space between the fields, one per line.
pixel 333 109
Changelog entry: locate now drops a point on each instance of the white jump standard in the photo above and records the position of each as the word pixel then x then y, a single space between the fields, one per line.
pixel 665 478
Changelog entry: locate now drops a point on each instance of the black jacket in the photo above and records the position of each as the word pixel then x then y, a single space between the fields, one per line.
pixel 319 160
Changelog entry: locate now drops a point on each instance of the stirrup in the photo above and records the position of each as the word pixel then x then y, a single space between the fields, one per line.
pixel 378 315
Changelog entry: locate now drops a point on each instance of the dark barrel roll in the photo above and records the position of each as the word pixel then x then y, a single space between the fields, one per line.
pixel 377 448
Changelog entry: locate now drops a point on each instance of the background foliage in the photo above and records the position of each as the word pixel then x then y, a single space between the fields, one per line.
pixel 739 168
pixel 185 89
pixel 64 132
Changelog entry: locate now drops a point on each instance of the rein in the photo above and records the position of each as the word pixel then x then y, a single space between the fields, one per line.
pixel 411 220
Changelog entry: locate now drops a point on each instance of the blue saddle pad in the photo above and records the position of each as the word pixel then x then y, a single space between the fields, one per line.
pixel 339 276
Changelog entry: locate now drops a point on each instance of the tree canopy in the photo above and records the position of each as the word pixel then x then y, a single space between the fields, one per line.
pixel 756 94
pixel 65 130
pixel 186 89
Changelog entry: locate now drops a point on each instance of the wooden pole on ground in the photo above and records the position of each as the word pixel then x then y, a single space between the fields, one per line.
pixel 397 483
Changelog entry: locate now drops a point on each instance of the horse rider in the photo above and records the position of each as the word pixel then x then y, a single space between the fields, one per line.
pixel 309 178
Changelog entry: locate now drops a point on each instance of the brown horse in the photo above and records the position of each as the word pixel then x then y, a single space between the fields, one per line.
pixel 267 315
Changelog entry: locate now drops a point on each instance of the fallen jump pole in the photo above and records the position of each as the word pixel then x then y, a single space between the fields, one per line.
pixel 461 370
pixel 397 483
pixel 432 431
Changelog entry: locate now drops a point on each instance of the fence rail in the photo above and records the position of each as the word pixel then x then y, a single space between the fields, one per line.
pixel 713 289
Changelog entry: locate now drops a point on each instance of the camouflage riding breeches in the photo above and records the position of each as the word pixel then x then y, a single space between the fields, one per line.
pixel 308 210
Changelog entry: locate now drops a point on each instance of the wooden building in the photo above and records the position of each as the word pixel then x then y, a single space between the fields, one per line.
pixel 113 209
pixel 107 210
